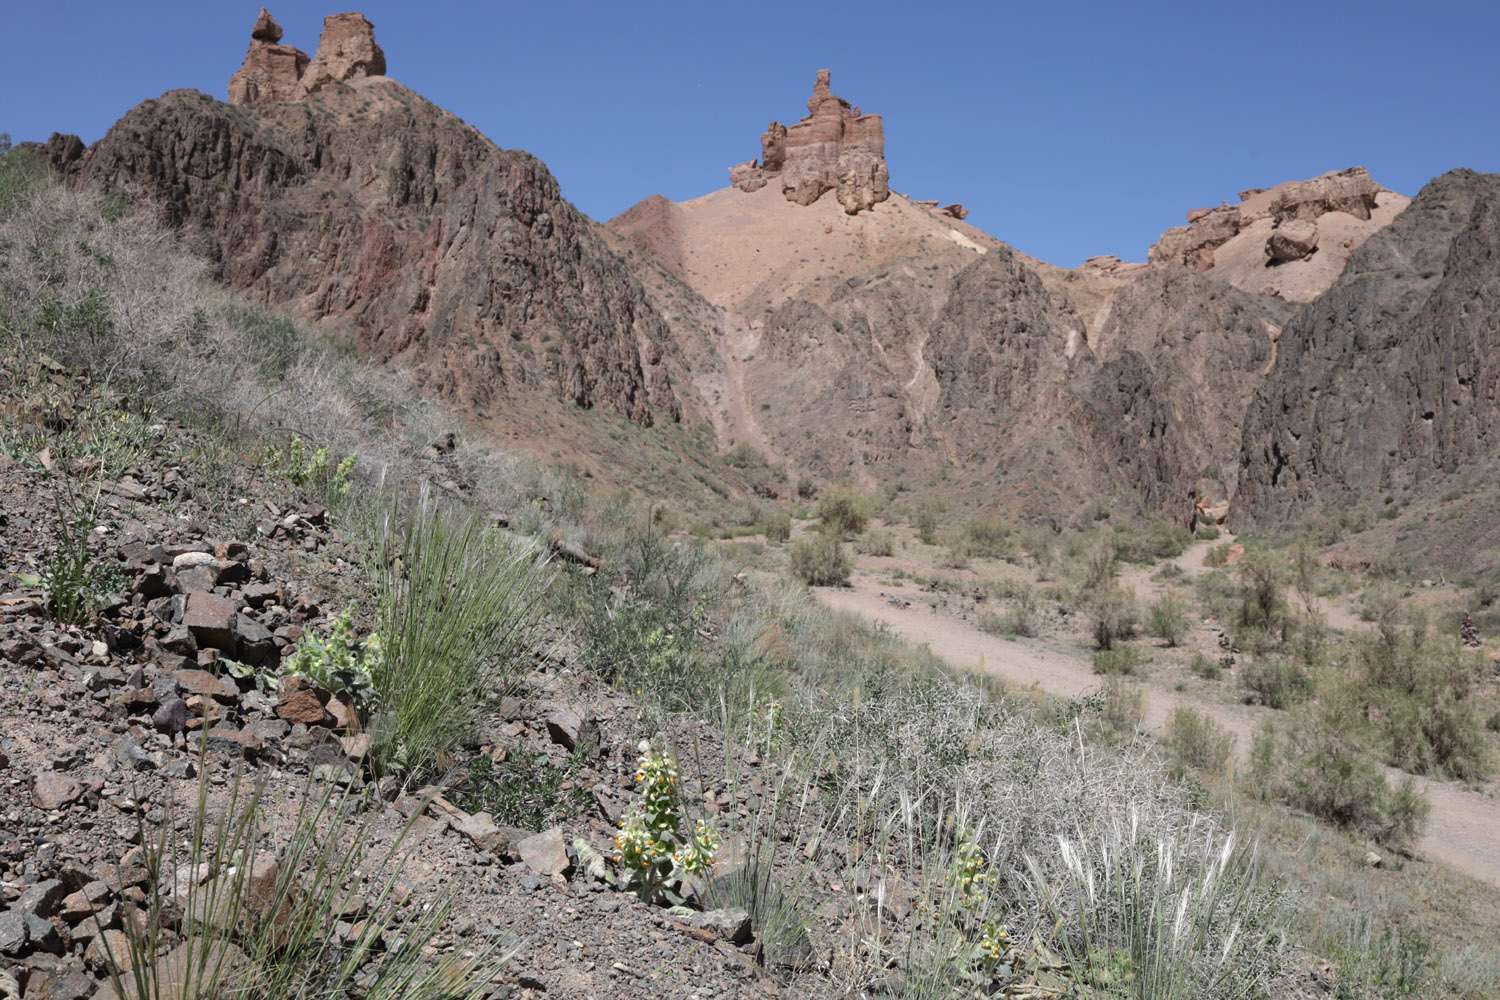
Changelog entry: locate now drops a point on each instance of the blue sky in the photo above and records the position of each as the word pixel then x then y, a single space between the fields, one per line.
pixel 1069 129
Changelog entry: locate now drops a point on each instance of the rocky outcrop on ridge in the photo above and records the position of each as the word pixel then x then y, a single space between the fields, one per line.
pixel 1349 191
pixel 275 72
pixel 1387 380
pixel 370 209
pixel 834 148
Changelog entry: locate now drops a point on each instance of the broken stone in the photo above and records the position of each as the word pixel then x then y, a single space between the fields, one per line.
pixel 545 853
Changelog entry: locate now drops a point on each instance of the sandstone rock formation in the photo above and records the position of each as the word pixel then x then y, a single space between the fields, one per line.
pixel 275 72
pixel 1350 191
pixel 834 148
pixel 1388 379
pixel 441 252
pixel 346 51
pixel 272 72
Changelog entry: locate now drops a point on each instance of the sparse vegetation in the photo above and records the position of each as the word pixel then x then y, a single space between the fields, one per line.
pixel 820 561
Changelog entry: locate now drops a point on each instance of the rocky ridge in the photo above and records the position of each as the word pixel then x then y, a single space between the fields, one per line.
pixel 835 147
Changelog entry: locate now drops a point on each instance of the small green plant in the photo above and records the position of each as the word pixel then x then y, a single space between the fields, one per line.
pixel 313 470
pixel 1198 741
pixel 1276 681
pixel 1206 668
pixel 73 579
pixel 650 846
pixel 341 663
pixel 843 513
pixel 1217 556
pixel 525 790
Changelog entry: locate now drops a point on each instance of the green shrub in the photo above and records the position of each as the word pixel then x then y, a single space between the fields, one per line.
pixel 342 663
pixel 843 513
pixel 21 172
pixel 1276 681
pixel 778 526
pixel 1120 659
pixel 956 549
pixel 1198 741
pixel 1217 556
pixel 820 561
pixel 1206 668
pixel 526 789
pixel 875 543
pixel 1159 540
pixel 1207 532
pixel 1122 705
pixel 1112 615
pixel 989 537
pixel 927 523
pixel 1167 619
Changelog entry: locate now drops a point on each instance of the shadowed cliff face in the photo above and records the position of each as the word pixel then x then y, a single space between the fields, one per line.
pixel 367 207
pixel 1391 376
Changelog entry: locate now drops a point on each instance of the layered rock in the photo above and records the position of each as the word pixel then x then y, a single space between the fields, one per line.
pixel 1388 379
pixel 275 72
pixel 834 148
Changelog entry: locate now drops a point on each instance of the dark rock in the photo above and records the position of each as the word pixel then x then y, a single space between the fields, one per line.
pixel 731 924
pixel 233 743
pixel 201 682
pixel 210 619
pixel 171 717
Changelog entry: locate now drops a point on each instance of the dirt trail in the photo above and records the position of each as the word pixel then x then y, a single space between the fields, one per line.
pixel 1464 829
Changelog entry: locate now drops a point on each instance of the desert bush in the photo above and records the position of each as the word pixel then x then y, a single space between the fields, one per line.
pixel 1263 580
pixel 1205 667
pixel 1112 613
pixel 1206 532
pixel 1122 706
pixel 1159 540
pixel 820 561
pixel 875 543
pixel 1198 741
pixel 778 526
pixel 1041 545
pixel 1276 681
pixel 989 537
pixel 843 513
pixel 1217 556
pixel 1120 659
pixel 956 549
pixel 1324 762
pixel 1167 619
pixel 927 522
pixel 21 173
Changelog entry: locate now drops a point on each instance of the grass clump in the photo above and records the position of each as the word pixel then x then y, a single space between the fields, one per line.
pixel 267 923
pixel 1159 917
pixel 456 605
pixel 777 526
pixel 820 561
pixel 1167 619
pixel 1197 741
pixel 1276 681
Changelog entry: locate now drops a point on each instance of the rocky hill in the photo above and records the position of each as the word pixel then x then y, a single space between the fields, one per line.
pixel 1387 380
pixel 331 190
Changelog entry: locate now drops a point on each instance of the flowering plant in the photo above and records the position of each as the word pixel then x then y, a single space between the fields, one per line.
pixel 650 845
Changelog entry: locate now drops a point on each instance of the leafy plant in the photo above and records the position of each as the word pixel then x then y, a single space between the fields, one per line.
pixel 650 846
pixel 525 790
pixel 341 663
pixel 821 561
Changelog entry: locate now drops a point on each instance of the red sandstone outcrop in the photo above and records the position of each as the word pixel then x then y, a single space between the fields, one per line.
pixel 835 148
pixel 275 72
pixel 272 72
pixel 346 51
pixel 1350 191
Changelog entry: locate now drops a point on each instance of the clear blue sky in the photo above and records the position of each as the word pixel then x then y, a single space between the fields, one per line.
pixel 1069 129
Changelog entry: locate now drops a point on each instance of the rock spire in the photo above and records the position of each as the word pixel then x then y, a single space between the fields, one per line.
pixel 276 72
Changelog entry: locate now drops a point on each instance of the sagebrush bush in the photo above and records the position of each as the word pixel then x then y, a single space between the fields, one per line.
pixel 1198 741
pixel 1120 659
pixel 927 522
pixel 821 561
pixel 989 537
pixel 843 513
pixel 1112 613
pixel 875 543
pixel 778 526
pixel 1167 619
pixel 1276 681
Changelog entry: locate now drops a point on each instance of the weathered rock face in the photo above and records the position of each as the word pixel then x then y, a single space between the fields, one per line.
pixel 271 72
pixel 1350 191
pixel 1389 377
pixel 1292 240
pixel 835 148
pixel 373 210
pixel 346 51
pixel 275 72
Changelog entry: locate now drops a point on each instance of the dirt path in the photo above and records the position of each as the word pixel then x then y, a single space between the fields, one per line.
pixel 1464 829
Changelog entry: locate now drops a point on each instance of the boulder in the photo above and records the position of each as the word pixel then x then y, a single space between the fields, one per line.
pixel 1292 240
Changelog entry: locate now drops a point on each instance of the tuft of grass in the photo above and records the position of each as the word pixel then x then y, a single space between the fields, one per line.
pixel 821 561
pixel 1167 619
pixel 257 908
pixel 778 526
pixel 1198 741
pixel 457 602
pixel 1174 915
pixel 1120 660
